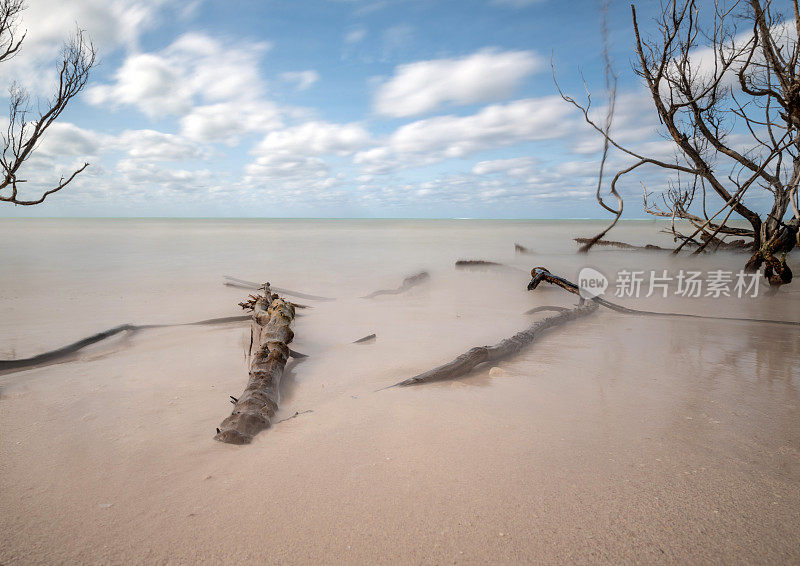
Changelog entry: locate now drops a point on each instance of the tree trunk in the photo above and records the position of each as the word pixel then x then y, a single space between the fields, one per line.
pixel 269 338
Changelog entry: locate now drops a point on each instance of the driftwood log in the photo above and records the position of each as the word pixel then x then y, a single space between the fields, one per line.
pixel 270 336
pixel 520 249
pixel 408 283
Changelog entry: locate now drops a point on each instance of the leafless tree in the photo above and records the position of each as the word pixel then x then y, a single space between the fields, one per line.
pixel 26 127
pixel 730 103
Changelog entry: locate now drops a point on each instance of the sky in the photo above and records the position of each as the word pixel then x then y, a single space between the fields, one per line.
pixel 334 108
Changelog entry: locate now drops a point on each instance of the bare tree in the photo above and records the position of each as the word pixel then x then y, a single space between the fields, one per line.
pixel 25 129
pixel 730 103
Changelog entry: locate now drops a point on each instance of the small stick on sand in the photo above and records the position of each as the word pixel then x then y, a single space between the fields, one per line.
pixel 365 339
pixel 269 338
pixel 294 416
pixel 408 283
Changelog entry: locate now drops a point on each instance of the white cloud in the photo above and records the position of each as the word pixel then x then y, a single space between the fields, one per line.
pixel 282 166
pixel 50 22
pixel 354 36
pixel 194 68
pixel 294 153
pixel 156 146
pixel 443 137
pixel 514 167
pixel 150 82
pixel 227 122
pixel 64 138
pixel 315 138
pixel 302 80
pixel 135 172
pixel 424 86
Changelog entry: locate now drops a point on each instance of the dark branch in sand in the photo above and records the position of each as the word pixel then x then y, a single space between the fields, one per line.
pixel 65 352
pixel 68 350
pixel 615 244
pixel 546 309
pixel 482 265
pixel 408 283
pixel 365 339
pixel 464 363
pixel 520 249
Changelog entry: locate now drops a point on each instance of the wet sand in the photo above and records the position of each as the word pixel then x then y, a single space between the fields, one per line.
pixel 614 439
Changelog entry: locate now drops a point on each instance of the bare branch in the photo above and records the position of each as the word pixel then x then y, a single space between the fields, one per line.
pixel 23 135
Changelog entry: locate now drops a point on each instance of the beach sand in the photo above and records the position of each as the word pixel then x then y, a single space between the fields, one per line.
pixel 615 438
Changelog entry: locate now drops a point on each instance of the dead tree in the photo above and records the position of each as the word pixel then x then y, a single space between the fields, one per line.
pixel 748 85
pixel 26 128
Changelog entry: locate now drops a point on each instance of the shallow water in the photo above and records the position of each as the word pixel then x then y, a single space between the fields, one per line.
pixel 618 437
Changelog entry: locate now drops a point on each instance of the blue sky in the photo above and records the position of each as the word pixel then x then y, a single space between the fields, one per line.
pixel 333 108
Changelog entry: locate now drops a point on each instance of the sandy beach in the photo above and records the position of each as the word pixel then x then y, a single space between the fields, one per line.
pixel 617 438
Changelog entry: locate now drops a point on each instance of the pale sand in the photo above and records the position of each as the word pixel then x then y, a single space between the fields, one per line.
pixel 616 439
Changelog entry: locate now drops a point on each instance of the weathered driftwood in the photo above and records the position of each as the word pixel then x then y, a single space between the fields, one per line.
pixel 365 339
pixel 270 336
pixel 520 249
pixel 616 244
pixel 243 284
pixel 408 283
